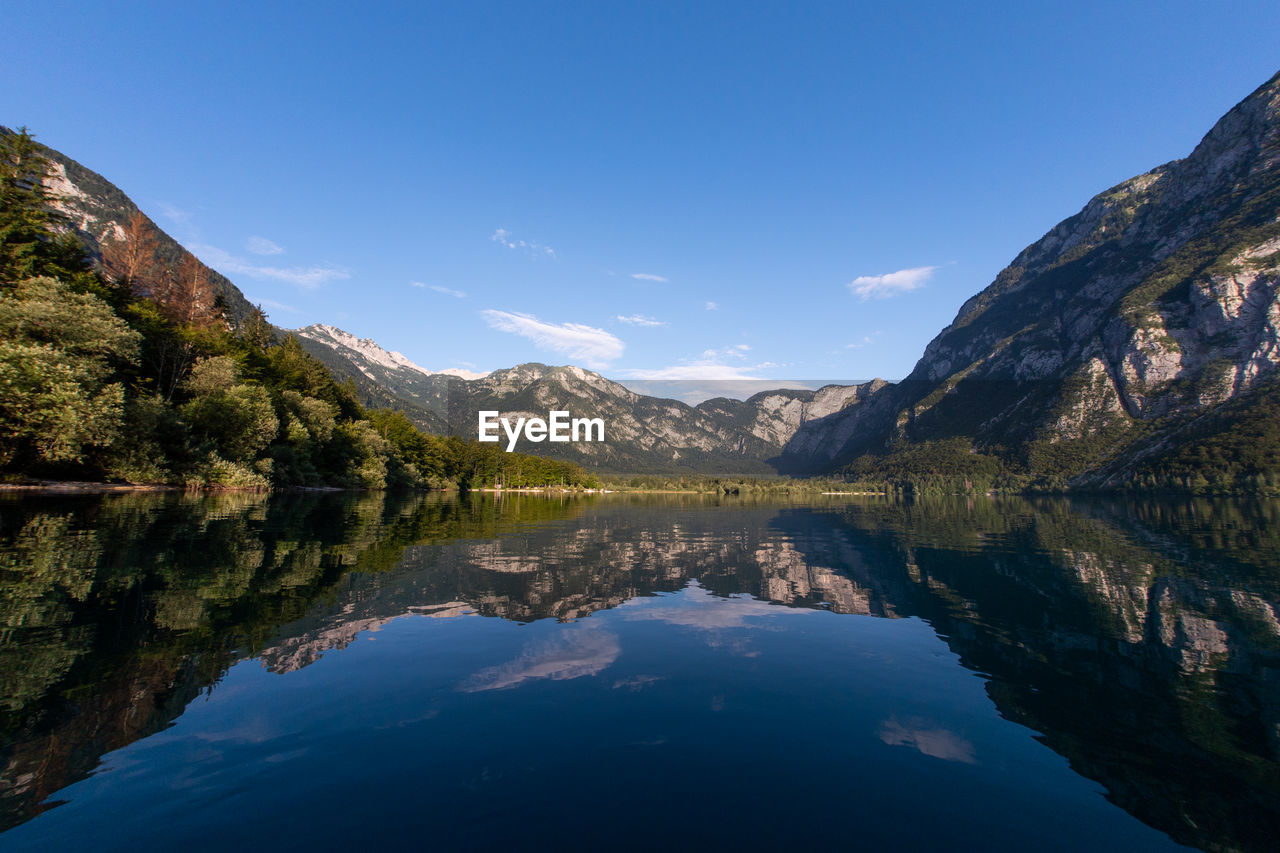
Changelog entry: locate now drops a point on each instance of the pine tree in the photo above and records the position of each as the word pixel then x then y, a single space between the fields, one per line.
pixel 27 216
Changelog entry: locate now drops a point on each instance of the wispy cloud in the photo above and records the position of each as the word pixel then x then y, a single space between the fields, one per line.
pixel 173 213
pixel 890 284
pixel 504 237
pixel 463 373
pixel 867 340
pixel 439 288
pixel 279 306
pixel 648 276
pixel 308 278
pixel 595 348
pixel 713 306
pixel 718 364
pixel 640 320
pixel 263 246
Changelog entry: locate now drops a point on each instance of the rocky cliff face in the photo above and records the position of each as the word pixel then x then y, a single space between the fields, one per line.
pixel 1154 304
pixel 643 434
pixel 102 217
pixel 384 379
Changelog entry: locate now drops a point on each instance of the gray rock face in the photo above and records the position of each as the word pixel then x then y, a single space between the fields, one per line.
pixel 98 213
pixel 643 434
pixel 1156 302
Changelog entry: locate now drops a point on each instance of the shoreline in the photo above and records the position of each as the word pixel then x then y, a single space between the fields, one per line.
pixel 86 487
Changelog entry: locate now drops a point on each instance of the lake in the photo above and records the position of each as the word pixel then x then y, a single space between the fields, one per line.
pixel 637 672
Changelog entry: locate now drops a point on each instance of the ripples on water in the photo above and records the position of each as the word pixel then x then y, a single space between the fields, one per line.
pixel 328 671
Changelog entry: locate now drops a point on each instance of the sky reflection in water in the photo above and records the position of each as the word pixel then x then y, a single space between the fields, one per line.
pixel 664 672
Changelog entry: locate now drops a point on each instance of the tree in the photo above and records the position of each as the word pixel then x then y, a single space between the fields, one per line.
pixel 59 352
pixel 27 216
pixel 237 420
pixel 188 298
pixel 130 254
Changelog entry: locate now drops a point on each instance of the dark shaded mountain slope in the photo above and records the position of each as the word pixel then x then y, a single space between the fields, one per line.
pixel 1113 340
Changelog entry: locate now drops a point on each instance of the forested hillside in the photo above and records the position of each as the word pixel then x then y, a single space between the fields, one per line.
pixel 122 360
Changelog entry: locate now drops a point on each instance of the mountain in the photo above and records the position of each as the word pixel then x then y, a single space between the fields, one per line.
pixel 643 434
pixel 1108 604
pixel 1135 344
pixel 108 223
pixel 383 379
pixel 1135 338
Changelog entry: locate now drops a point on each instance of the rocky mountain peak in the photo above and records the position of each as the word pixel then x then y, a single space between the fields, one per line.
pixel 369 352
pixel 1244 142
pixel 1157 302
pixel 364 348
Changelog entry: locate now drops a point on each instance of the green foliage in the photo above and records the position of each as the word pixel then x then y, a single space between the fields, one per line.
pixel 944 466
pixel 25 213
pixel 152 444
pixel 1234 450
pixel 84 394
pixel 96 380
pixel 235 419
pixel 58 355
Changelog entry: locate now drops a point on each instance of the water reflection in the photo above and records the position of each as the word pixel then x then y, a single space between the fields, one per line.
pixel 577 653
pixel 1140 640
pixel 927 738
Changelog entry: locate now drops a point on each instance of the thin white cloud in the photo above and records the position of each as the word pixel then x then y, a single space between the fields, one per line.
pixel 648 276
pixel 173 213
pixel 263 246
pixel 865 342
pixel 696 370
pixel 890 284
pixel 504 237
pixel 711 364
pixel 307 278
pixel 595 348
pixel 640 320
pixel 439 288
pixel 462 373
pixel 279 306
pixel 713 306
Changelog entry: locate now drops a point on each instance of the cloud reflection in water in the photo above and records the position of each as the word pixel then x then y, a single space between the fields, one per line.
pixel 572 653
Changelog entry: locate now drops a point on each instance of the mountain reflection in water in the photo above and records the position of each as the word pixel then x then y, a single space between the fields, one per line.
pixel 1137 640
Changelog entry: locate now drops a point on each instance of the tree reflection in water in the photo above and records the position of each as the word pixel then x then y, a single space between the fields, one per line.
pixel 1139 639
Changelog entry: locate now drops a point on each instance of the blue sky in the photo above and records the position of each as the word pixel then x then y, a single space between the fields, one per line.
pixel 654 190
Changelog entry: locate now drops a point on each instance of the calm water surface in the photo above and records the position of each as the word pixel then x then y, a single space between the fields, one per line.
pixel 332 672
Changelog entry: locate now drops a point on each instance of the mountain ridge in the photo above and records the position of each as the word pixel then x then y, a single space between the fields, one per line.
pixel 644 433
pixel 1141 329
pixel 1154 304
pixel 105 219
